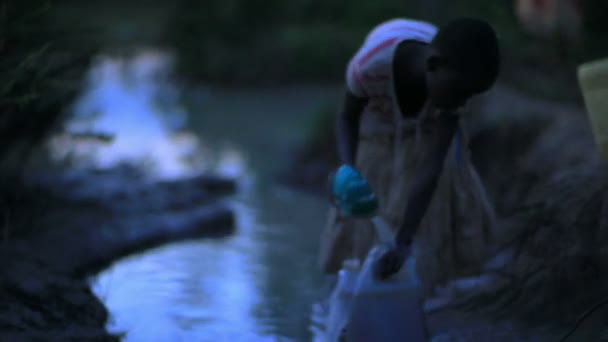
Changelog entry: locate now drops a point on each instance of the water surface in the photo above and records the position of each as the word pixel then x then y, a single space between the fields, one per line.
pixel 258 285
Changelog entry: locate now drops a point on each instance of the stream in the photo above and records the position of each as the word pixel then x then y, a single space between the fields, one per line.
pixel 260 284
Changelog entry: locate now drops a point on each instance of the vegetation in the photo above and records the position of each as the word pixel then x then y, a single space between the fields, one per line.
pixel 38 79
pixel 269 41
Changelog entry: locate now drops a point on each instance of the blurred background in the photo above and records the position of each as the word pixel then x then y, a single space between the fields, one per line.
pixel 124 119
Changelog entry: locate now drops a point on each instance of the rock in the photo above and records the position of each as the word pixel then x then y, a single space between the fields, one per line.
pixel 553 229
pixel 40 304
pixel 66 334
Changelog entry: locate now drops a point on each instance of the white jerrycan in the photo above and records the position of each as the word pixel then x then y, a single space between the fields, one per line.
pixel 366 309
pixel 341 300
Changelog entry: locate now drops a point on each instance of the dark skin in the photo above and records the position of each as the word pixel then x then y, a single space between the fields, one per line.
pixel 423 82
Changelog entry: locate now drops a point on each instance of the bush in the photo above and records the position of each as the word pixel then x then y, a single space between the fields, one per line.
pixel 37 79
pixel 311 40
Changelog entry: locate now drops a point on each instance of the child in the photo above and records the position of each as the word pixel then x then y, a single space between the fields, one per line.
pixel 399 123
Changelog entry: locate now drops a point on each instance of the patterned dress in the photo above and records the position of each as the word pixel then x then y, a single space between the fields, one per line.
pixel 455 230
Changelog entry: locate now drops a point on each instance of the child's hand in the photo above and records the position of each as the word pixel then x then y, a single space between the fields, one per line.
pixel 391 262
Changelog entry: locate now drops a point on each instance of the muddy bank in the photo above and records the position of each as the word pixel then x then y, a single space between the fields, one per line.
pixel 40 303
pixel 504 123
pixel 91 221
pixel 538 161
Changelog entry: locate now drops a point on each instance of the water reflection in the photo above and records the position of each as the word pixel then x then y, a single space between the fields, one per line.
pixel 134 102
pixel 203 291
pixel 254 286
pixel 258 285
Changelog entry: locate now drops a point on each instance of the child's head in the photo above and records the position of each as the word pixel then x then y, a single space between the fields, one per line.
pixel 464 62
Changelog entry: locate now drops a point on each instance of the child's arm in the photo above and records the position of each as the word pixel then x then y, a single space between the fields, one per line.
pixel 426 174
pixel 347 127
pixel 438 135
pixel 336 242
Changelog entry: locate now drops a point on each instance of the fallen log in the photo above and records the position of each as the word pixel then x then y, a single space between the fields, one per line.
pixel 95 245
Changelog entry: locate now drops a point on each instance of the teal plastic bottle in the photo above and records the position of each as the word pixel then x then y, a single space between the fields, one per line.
pixel 352 193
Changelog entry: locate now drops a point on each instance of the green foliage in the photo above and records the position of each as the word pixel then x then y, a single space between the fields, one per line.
pixel 596 40
pixel 311 40
pixel 259 41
